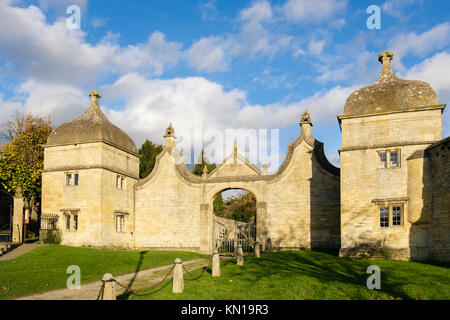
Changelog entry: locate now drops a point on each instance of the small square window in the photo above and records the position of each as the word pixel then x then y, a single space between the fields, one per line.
pixel 120 223
pixel 394 159
pixel 67 217
pixel 68 179
pixel 397 216
pixel 384 217
pixel 75 222
pixel 383 159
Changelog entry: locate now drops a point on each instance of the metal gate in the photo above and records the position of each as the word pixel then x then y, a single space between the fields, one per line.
pixel 229 234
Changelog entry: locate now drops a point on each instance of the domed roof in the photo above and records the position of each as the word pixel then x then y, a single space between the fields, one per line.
pixel 390 93
pixel 92 126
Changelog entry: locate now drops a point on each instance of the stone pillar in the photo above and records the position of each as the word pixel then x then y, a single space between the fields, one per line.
pixel 109 292
pixel 216 264
pixel 206 233
pixel 240 256
pixel 178 281
pixel 257 250
pixel 17 236
pixel 261 223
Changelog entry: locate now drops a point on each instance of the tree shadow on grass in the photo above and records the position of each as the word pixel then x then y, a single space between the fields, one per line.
pixel 323 267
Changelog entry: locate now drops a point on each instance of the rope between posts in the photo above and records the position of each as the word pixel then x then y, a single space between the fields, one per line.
pixel 135 292
pixel 201 274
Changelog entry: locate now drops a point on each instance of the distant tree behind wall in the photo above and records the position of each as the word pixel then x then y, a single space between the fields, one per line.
pixel 149 151
pixel 218 203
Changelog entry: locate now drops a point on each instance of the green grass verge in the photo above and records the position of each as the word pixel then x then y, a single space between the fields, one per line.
pixel 312 275
pixel 44 268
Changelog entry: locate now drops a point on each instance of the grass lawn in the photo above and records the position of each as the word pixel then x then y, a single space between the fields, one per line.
pixel 44 268
pixel 312 275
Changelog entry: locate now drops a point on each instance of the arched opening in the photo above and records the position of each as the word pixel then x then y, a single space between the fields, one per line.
pixel 234 220
pixel 6 207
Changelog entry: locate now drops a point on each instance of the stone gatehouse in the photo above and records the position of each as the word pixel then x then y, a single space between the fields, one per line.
pixel 384 190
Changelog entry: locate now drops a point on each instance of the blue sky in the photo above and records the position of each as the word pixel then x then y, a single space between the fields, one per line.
pixel 219 64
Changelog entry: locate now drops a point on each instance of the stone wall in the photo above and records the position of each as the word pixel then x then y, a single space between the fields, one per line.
pixel 297 207
pixel 439 155
pixel 365 186
pixel 96 199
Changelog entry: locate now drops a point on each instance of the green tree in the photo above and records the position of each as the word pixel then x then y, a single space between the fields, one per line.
pixel 22 159
pixel 200 165
pixel 149 151
pixel 218 204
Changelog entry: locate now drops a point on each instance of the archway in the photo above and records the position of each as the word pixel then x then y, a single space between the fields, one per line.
pixel 234 220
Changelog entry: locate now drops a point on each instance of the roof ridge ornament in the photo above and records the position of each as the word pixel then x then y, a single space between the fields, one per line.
pixel 170 131
pixel 385 59
pixel 306 123
pixel 95 96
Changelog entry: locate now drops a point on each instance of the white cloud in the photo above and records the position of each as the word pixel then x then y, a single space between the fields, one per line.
pixel 209 10
pixel 398 8
pixel 208 54
pixel 52 52
pixel 253 38
pixel 315 47
pixel 194 102
pixel 259 12
pixel 419 44
pixel 311 10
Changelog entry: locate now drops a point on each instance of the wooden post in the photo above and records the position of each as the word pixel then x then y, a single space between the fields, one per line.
pixel 109 292
pixel 178 281
pixel 240 256
pixel 216 264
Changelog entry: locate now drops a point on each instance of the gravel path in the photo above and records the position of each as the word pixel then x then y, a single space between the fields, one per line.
pixel 17 252
pixel 89 291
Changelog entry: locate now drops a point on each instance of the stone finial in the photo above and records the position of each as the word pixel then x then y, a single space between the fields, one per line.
pixel 170 136
pixel 18 192
pixel 385 58
pixel 170 131
pixel 306 122
pixel 95 96
pixel 205 172
pixel 265 168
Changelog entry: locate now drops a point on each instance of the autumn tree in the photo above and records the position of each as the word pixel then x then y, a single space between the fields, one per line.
pixel 22 159
pixel 149 151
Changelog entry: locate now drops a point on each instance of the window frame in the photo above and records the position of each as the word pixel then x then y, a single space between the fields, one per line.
pixel 72 179
pixel 386 218
pixel 388 158
pixel 71 221
pixel 396 205
pixel 123 218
